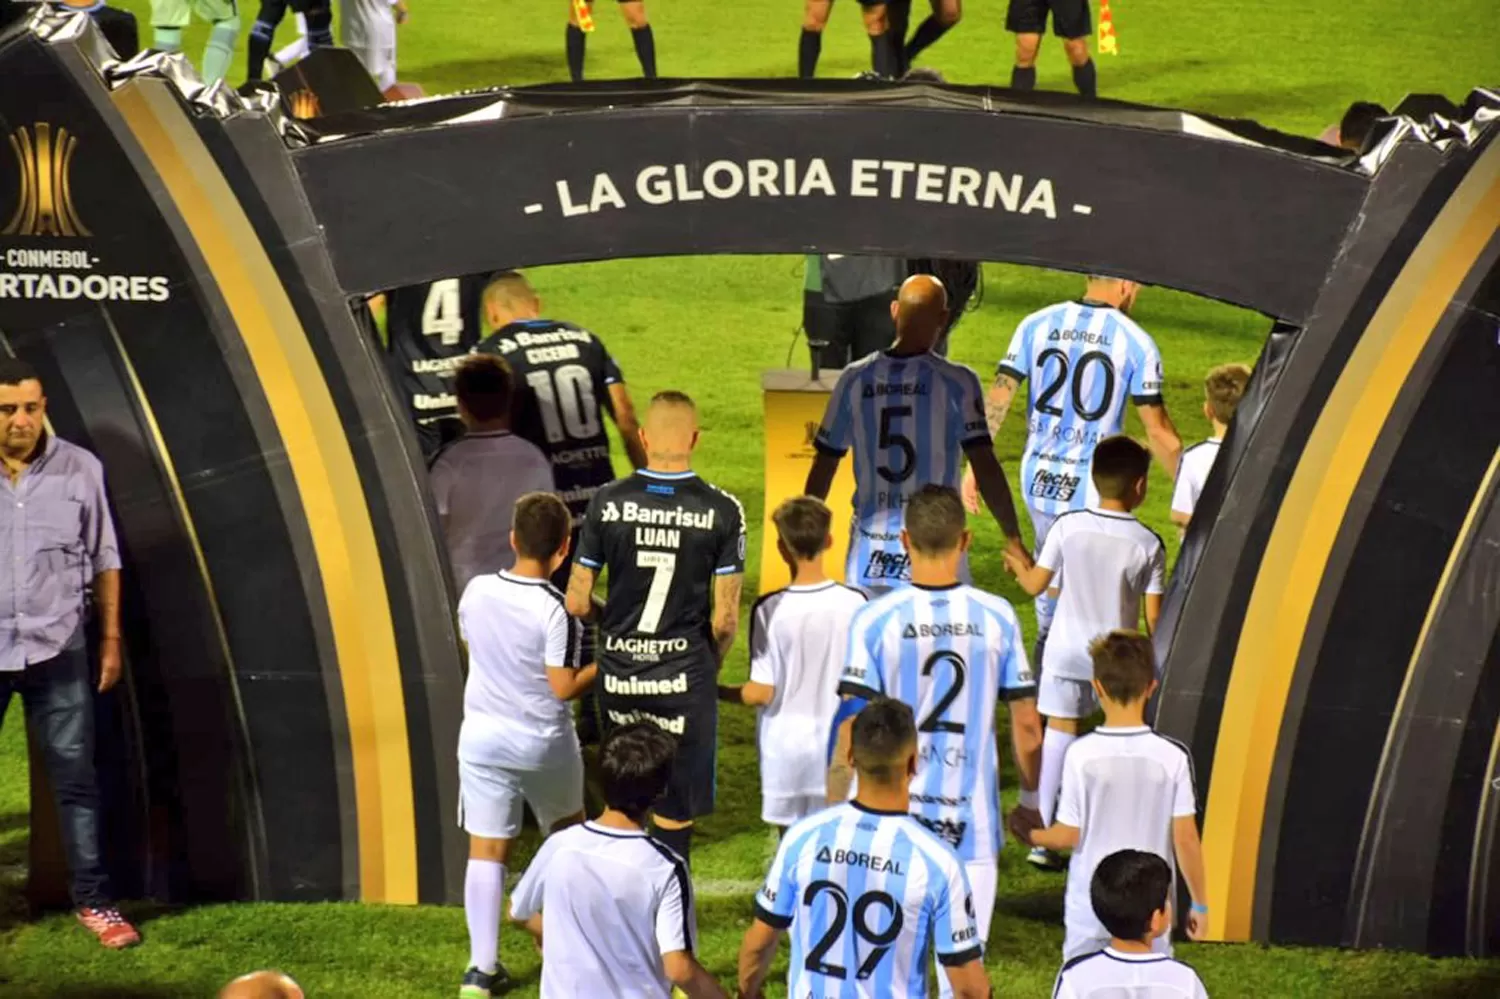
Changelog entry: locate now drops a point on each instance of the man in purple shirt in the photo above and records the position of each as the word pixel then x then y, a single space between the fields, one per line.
pixel 57 544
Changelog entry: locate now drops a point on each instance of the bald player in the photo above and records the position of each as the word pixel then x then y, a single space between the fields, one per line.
pixel 262 985
pixel 910 417
pixel 673 547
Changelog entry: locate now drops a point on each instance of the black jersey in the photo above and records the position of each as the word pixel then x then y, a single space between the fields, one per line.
pixel 662 538
pixel 431 329
pixel 562 376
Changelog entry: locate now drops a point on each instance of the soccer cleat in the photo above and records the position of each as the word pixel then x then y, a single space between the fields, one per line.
pixel 480 985
pixel 112 929
pixel 1044 859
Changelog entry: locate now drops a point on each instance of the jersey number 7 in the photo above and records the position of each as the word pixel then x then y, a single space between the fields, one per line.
pixel 664 566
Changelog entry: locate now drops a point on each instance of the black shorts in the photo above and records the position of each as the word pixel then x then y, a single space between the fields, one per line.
pixel 691 716
pixel 1070 18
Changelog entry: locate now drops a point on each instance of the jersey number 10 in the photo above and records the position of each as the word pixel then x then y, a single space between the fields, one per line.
pixel 566 400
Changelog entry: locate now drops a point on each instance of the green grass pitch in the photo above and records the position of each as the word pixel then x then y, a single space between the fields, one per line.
pixel 1292 64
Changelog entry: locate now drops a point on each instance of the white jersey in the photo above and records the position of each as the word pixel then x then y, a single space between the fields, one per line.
pixel 1111 560
pixel 612 902
pixel 865 894
pixel 950 653
pixel 515 628
pixel 475 483
pixel 908 420
pixel 1113 974
pixel 367 23
pixel 1192 472
pixel 798 637
pixel 1083 362
pixel 1121 788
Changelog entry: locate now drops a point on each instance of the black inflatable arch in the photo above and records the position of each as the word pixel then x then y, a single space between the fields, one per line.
pixel 295 683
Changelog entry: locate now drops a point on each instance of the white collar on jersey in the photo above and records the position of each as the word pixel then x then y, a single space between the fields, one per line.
pixel 1134 958
pixel 666 475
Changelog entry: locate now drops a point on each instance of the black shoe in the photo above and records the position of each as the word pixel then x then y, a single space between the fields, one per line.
pixel 478 985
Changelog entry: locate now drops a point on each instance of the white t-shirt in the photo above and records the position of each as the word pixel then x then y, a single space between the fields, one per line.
pixel 1110 974
pixel 612 903
pixel 369 23
pixel 797 641
pixel 1192 473
pixel 515 628
pixel 1121 788
pixel 1109 559
pixel 475 482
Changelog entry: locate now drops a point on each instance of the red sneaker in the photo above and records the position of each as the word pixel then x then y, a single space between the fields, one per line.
pixel 112 929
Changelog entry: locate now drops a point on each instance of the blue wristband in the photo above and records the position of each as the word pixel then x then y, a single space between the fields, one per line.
pixel 1201 910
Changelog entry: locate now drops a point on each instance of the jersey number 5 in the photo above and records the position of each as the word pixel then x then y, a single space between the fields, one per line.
pixel 889 438
pixel 881 940
pixel 664 566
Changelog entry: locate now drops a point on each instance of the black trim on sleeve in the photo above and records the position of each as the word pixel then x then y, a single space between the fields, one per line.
pixel 684 884
pixel 978 440
pixel 1009 372
pixel 848 688
pixel 828 449
pixel 1147 400
pixel 974 953
pixel 770 918
pixel 1018 693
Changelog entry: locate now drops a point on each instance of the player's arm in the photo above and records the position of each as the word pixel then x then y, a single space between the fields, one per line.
pixel 727 590
pixel 684 971
pixel 757 951
pixel 1057 837
pixel 841 763
pixel 990 480
pixel 955 933
pixel 834 438
pixel 1161 436
pixel 754 694
pixel 859 683
pixel 969 980
pixel 588 559
pixel 1189 847
pixel 997 403
pixel 1033 579
pixel 1063 833
pixel 568 682
pixel 580 598
pixel 1026 740
pixel 623 411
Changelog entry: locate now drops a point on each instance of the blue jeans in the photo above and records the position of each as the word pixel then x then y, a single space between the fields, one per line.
pixel 58 697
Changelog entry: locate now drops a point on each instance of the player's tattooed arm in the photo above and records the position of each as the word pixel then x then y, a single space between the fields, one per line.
pixel 580 599
pixel 997 402
pixel 727 590
pixel 840 767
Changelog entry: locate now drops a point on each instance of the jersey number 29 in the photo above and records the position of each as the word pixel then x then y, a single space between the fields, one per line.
pixel 838 922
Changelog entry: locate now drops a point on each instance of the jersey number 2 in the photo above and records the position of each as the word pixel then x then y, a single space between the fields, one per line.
pixel 935 722
pixel 881 940
pixel 566 399
pixel 664 566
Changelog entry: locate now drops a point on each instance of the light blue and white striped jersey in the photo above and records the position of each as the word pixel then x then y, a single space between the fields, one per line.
pixel 865 894
pixel 1083 361
pixel 949 652
pixel 908 420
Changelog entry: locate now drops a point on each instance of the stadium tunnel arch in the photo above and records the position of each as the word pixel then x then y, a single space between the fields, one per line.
pixel 291 645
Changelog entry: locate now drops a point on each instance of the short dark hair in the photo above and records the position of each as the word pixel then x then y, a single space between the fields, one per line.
pixel 635 766
pixel 934 519
pixel 1119 463
pixel 483 385
pixel 802 523
pixel 1124 664
pixel 884 731
pixel 673 397
pixel 1223 388
pixel 1128 888
pixel 14 371
pixel 541 523
pixel 1355 126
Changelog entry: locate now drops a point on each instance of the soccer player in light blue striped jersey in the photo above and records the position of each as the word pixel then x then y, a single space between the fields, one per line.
pixel 951 652
pixel 865 890
pixel 1084 359
pixel 909 416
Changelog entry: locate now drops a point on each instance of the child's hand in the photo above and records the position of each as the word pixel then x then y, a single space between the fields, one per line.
pixel 1013 563
pixel 1197 924
pixel 1022 822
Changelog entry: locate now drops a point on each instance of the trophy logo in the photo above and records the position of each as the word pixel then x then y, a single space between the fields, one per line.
pixel 44 205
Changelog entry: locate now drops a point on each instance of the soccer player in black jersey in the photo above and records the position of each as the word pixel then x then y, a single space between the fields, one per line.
pixel 430 329
pixel 673 547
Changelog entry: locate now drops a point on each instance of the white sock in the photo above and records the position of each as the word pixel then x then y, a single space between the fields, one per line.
pixel 1055 745
pixel 484 884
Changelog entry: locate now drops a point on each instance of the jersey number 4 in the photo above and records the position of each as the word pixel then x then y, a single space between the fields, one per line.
pixel 838 922
pixel 566 399
pixel 442 313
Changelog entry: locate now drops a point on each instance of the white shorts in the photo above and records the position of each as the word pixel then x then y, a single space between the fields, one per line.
pixel 983 876
pixel 1059 697
pixel 379 61
pixel 490 796
pixel 789 809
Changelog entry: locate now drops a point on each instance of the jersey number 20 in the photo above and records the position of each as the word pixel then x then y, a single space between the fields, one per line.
pixel 838 922
pixel 1094 358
